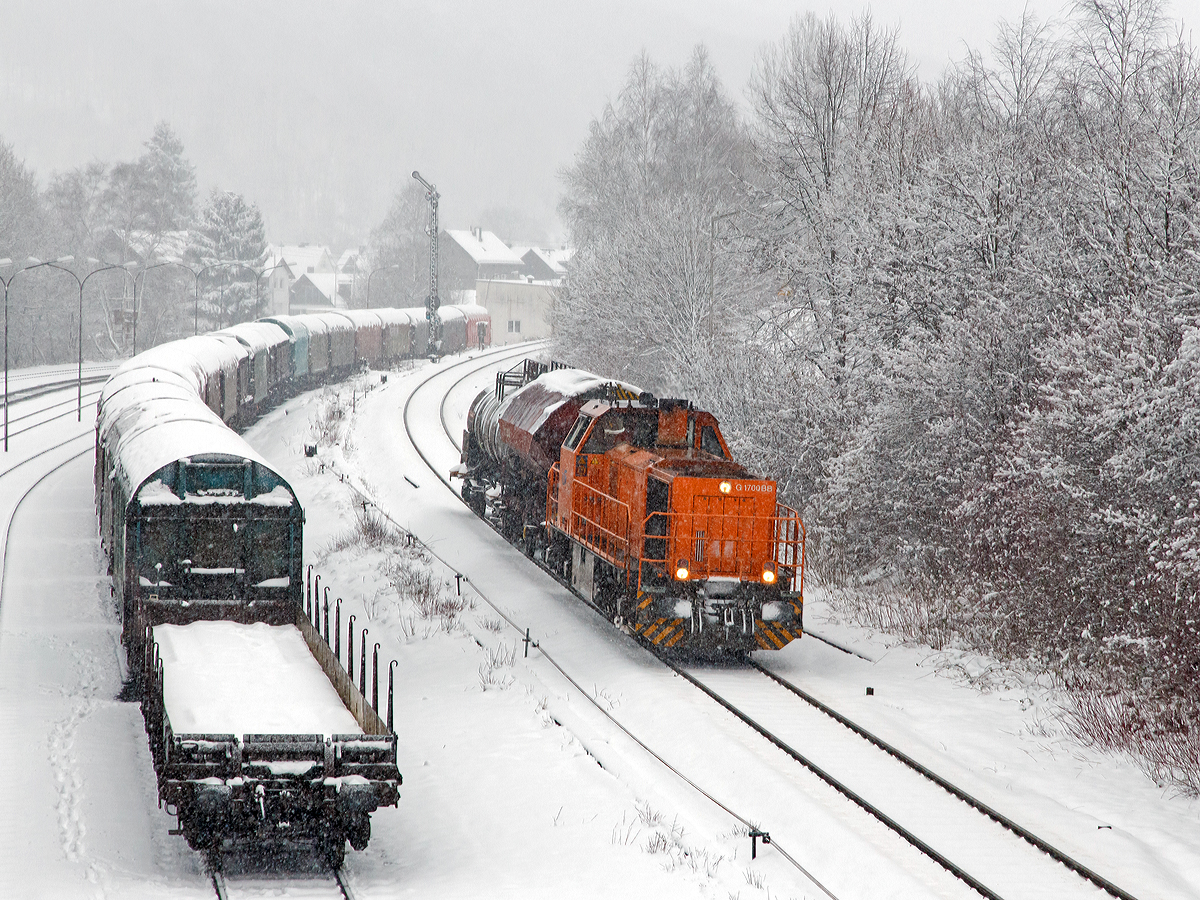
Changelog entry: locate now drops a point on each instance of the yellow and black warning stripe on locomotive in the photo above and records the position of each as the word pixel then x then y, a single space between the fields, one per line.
pixel 772 636
pixel 614 391
pixel 662 632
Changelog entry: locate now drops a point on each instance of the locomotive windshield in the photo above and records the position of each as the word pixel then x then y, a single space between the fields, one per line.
pixel 710 443
pixel 638 427
pixel 577 431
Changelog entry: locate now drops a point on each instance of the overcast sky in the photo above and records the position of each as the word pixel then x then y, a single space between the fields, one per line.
pixel 318 111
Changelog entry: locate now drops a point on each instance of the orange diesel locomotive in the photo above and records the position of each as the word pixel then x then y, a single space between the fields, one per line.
pixel 638 503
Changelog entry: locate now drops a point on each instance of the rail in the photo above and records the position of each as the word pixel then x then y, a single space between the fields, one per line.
pixel 978 805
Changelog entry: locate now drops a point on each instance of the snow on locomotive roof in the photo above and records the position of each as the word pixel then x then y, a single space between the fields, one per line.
pixel 530 408
pixel 573 382
pixel 228 678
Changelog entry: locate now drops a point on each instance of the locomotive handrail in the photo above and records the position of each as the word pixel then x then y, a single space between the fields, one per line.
pixel 610 542
pixel 788 540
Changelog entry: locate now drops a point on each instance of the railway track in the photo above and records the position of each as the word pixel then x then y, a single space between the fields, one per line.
pixel 938 799
pixel 233 889
pixel 914 800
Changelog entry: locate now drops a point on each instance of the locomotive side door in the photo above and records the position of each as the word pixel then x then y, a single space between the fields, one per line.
pixel 567 464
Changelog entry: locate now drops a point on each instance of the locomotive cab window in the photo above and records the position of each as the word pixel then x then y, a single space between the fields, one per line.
pixel 577 432
pixel 710 443
pixel 610 430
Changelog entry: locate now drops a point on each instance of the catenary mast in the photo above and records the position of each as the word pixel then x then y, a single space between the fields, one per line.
pixel 432 302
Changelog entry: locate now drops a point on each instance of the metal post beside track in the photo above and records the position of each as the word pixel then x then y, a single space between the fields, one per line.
pixel 391 693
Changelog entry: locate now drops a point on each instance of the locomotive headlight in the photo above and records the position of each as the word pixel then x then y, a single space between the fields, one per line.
pixel 725 487
pixel 681 570
pixel 768 574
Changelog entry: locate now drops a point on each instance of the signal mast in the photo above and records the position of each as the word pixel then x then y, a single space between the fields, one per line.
pixel 432 302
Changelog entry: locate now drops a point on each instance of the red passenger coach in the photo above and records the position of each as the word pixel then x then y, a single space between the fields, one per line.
pixel 638 502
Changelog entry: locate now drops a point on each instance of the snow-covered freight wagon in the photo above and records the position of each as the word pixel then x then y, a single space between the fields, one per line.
pixel 259 735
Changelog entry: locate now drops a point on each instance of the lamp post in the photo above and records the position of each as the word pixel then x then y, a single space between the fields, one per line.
pixel 372 275
pixel 196 273
pixel 4 263
pixel 57 264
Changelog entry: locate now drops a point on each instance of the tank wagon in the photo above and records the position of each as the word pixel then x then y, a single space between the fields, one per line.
pixel 205 540
pixel 639 504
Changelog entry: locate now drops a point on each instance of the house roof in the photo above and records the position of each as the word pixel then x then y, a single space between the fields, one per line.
pixel 301 258
pixel 349 260
pixel 325 282
pixel 484 247
pixel 549 258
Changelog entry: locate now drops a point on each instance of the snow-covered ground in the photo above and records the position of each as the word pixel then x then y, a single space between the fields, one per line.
pixel 516 782
pixel 1004 743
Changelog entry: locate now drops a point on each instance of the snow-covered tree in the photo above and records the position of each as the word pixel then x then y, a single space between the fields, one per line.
pixel 399 251
pixel 651 203
pixel 229 230
pixel 169 183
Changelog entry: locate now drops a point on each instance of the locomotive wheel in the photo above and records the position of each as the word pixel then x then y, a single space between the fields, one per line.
pixel 475 499
pixel 332 850
pixel 358 830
